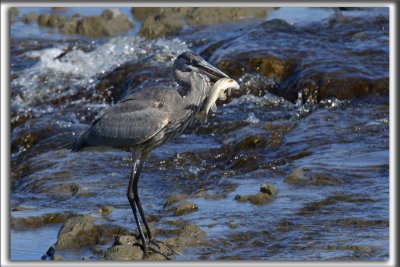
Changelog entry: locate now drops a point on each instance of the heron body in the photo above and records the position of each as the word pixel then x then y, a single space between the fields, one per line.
pixel 147 119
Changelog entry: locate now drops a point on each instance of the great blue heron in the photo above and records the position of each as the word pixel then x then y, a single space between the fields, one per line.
pixel 149 118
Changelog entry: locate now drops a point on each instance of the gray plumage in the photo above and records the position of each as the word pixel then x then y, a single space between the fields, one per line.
pixel 149 118
pixel 153 116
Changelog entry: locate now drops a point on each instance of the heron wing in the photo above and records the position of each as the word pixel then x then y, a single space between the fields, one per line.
pixel 128 123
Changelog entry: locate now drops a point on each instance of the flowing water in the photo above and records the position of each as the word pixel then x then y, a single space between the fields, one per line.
pixel 323 146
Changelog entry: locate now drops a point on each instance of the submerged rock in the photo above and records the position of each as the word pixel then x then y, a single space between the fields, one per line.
pixel 185 207
pixel 301 176
pixel 175 198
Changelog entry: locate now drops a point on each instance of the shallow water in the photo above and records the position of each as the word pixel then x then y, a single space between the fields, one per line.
pixel 338 210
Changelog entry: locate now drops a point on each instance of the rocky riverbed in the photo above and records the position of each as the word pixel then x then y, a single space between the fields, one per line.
pixel 294 166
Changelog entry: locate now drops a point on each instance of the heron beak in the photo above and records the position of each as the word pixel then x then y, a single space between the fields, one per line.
pixel 211 71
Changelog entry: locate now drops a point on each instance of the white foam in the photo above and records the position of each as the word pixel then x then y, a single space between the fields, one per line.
pixel 77 69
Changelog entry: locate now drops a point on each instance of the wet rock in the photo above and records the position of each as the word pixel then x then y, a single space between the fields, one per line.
pixel 125 240
pixel 269 66
pixel 268 189
pixel 316 206
pixel 155 27
pixel 124 252
pixel 106 209
pixel 177 223
pixel 110 22
pixel 233 225
pixel 25 140
pixel 58 258
pixel 301 176
pixel 361 249
pixel 50 20
pixel 78 232
pixel 285 226
pixel 22 208
pixel 175 198
pixel 170 20
pixel 62 191
pixel 246 138
pixel 22 223
pixel 361 222
pixel 30 17
pixel 58 8
pixel 184 208
pixel 190 235
pixel 256 199
pixel 245 162
pixel 141 13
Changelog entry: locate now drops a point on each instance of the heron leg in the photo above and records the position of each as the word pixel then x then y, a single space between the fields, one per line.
pixel 137 165
pixel 136 197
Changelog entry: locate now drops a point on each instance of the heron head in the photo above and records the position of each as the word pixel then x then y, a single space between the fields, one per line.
pixel 189 61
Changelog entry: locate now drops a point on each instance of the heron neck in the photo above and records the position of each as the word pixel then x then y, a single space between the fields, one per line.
pixel 195 87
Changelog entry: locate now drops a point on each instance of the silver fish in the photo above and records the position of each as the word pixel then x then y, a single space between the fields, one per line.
pixel 217 92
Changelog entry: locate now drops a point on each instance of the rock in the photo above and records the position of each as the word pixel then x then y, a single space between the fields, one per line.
pixel 78 232
pixel 246 138
pixel 190 235
pixel 166 21
pixel 125 240
pixel 22 208
pixel 50 20
pixel 184 208
pixel 30 17
pixel 124 252
pixel 233 225
pixel 192 231
pixel 62 190
pixel 154 27
pixel 141 13
pixel 21 223
pixel 110 22
pixel 58 258
pixel 361 222
pixel 175 198
pixel 257 199
pixel 58 8
pixel 316 206
pixel 300 176
pixel 285 226
pixel 268 189
pixel 268 65
pixel 106 209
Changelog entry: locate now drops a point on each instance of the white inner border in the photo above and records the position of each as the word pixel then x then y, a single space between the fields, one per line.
pixel 5 138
